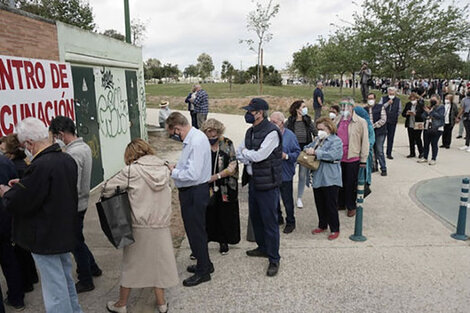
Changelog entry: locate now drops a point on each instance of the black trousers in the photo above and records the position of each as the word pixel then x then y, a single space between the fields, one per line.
pixel 447 135
pixel 194 201
pixel 348 193
pixel 414 138
pixel 326 201
pixel 12 272
pixel 27 266
pixel 466 124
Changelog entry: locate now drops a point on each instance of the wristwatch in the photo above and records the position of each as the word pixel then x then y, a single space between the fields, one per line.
pixel 287 157
pixel 218 176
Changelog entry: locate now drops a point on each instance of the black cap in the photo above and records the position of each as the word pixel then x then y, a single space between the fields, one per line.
pixel 257 104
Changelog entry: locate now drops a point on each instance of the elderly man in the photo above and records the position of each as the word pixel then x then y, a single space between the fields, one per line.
pixel 365 75
pixel 191 176
pixel 290 152
pixel 378 117
pixel 63 128
pixel 318 100
pixel 261 152
pixel 201 104
pixel 353 132
pixel 392 106
pixel 44 208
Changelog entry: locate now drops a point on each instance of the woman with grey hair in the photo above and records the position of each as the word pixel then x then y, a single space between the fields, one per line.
pixel 222 216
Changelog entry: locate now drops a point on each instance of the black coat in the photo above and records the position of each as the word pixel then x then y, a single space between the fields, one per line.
pixel 44 203
pixel 7 172
pixel 309 126
pixel 419 112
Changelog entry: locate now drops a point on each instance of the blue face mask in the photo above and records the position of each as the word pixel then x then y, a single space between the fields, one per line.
pixel 176 137
pixel 249 118
pixel 213 141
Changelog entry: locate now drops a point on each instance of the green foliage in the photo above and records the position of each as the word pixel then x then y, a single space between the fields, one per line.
pixel 306 62
pixel 205 65
pixel 399 33
pixel 114 34
pixel 270 75
pixel 227 72
pixel 152 69
pixel 73 12
pixel 190 71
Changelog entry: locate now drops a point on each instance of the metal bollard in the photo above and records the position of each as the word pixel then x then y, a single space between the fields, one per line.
pixel 461 222
pixel 360 199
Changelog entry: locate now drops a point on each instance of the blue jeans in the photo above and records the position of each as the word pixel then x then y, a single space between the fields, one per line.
pixel 264 217
pixel 288 200
pixel 390 136
pixel 83 257
pixel 303 172
pixel 58 287
pixel 379 152
pixel 433 140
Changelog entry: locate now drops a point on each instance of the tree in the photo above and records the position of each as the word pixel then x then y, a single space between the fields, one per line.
pixel 227 72
pixel 114 34
pixel 401 32
pixel 170 71
pixel 190 71
pixel 272 75
pixel 138 31
pixel 153 69
pixel 205 65
pixel 73 12
pixel 307 61
pixel 259 21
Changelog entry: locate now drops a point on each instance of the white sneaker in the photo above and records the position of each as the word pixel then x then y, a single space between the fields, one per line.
pixel 116 309
pixel 299 203
pixel 468 150
pixel 432 162
pixel 422 160
pixel 464 148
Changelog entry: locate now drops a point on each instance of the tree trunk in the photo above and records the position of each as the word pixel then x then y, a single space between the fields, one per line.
pixel 261 75
pixel 341 85
pixel 354 83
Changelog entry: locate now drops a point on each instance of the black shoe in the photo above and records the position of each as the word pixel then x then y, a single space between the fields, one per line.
pixel 223 249
pixel 411 156
pixel 17 307
pixel 273 268
pixel 442 146
pixel 196 280
pixel 289 228
pixel 84 287
pixel 384 173
pixel 458 137
pixel 256 253
pixel 374 170
pixel 97 273
pixel 280 221
pixel 447 147
pixel 389 157
pixel 192 257
pixel 192 269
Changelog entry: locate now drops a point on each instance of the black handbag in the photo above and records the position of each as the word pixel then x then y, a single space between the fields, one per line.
pixel 115 216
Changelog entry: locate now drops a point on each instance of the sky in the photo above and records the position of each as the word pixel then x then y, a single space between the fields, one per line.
pixel 178 31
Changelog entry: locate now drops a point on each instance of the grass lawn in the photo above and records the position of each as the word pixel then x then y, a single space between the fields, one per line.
pixel 220 95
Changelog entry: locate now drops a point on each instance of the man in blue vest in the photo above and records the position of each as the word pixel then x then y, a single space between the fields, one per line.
pixel 261 153
pixel 392 105
pixel 378 116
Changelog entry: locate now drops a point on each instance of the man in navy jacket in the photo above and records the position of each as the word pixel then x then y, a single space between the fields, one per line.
pixel 392 105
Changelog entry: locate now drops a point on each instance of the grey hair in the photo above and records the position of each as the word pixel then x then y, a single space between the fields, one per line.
pixel 350 100
pixel 279 114
pixel 319 83
pixel 33 129
pixel 391 89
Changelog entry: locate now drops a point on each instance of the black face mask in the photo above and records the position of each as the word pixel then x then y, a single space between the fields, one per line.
pixel 176 137
pixel 433 102
pixel 212 141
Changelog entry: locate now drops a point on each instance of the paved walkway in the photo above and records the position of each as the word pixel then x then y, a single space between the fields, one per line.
pixel 408 264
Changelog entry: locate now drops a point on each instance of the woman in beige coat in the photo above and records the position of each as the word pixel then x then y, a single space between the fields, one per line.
pixel 150 260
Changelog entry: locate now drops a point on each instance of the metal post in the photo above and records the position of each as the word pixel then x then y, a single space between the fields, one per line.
pixel 461 222
pixel 127 21
pixel 360 199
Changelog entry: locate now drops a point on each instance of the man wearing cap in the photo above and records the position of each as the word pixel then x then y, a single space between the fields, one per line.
pixel 261 153
pixel 365 74
pixel 163 113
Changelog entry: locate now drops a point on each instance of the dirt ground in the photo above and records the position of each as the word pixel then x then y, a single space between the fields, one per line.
pixel 229 105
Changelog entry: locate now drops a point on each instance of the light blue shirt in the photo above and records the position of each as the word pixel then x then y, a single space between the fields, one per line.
pixel 266 148
pixel 194 165
pixel 328 174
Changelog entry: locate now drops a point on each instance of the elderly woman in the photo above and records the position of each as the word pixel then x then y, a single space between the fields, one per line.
pixel 354 133
pixel 433 116
pixel 326 180
pixel 222 216
pixel 150 260
pixel 13 151
pixel 412 113
pixel 451 112
pixel 300 123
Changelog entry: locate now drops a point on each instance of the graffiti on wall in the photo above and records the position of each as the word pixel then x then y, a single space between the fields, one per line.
pixel 142 101
pixel 113 114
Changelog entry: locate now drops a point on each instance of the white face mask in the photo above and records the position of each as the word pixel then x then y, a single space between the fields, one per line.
pixel 28 153
pixel 60 143
pixel 322 134
pixel 447 101
pixel 332 115
pixel 304 111
pixel 414 102
pixel 391 97
pixel 370 102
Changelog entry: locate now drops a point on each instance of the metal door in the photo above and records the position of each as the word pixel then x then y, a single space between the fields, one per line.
pixel 133 103
pixel 86 116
